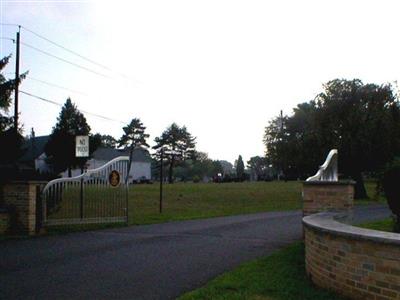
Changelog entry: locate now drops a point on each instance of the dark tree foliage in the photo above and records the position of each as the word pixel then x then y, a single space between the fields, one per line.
pixel 11 139
pixel 105 140
pixel 199 166
pixel 178 145
pixel 391 188
pixel 60 149
pixel 240 168
pixel 361 121
pixel 258 166
pixel 134 135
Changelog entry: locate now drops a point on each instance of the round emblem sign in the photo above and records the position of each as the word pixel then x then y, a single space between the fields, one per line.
pixel 114 178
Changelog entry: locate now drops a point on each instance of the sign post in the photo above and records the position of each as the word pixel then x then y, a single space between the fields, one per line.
pixel 81 150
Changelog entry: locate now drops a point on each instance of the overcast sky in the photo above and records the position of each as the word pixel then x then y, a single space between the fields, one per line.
pixel 222 68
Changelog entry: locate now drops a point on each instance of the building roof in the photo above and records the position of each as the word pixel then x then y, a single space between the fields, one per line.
pixel 34 147
pixel 107 154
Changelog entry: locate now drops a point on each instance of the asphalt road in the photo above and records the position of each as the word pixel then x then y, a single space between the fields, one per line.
pixel 145 262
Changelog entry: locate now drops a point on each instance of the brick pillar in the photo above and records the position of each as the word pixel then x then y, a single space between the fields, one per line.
pixel 19 197
pixel 321 196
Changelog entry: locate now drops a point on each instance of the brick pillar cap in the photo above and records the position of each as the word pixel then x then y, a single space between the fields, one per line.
pixel 340 182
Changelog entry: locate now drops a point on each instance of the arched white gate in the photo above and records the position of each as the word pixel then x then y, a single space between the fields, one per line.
pixel 97 196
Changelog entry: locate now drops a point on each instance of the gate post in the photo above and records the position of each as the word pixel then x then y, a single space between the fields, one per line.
pixel 20 197
pixel 321 196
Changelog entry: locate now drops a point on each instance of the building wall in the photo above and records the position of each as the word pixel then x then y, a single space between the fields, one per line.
pixel 138 169
pixel 41 164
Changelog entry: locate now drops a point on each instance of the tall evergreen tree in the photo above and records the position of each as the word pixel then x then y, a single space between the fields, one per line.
pixel 177 144
pixel 60 149
pixel 134 136
pixel 10 139
pixel 240 168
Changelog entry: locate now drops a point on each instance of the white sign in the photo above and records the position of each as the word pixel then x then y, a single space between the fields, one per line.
pixel 82 146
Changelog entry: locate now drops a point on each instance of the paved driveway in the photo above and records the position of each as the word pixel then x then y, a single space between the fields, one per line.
pixel 144 262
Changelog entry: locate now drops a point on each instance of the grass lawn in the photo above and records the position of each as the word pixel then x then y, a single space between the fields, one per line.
pixel 184 201
pixel 382 225
pixel 278 276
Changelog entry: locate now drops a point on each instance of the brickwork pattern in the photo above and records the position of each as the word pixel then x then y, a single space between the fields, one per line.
pixel 21 198
pixel 355 268
pixel 321 197
pixel 4 222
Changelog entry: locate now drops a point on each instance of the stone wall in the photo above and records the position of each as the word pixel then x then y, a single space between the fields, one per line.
pixel 321 196
pixel 354 262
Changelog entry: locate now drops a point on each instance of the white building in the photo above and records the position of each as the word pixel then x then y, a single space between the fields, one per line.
pixel 141 161
pixel 140 167
pixel 35 158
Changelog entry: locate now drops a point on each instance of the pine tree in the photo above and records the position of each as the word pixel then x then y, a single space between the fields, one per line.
pixel 134 135
pixel 177 145
pixel 60 149
pixel 240 168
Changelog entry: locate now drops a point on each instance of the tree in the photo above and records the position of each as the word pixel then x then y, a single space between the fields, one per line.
pixel 361 121
pixel 60 149
pixel 199 166
pixel 177 145
pixel 134 136
pixel 258 165
pixel 106 141
pixel 239 168
pixel 11 139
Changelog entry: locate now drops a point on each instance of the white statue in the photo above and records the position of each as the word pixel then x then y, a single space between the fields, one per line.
pixel 329 170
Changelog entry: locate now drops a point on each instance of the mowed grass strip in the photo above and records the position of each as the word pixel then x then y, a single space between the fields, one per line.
pixel 278 276
pixel 184 201
pixel 381 225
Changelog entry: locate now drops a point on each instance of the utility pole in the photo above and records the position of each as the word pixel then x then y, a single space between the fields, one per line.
pixel 281 131
pixel 16 83
pixel 161 178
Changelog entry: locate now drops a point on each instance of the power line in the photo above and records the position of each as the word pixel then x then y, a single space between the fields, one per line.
pixel 66 49
pixel 56 85
pixel 64 60
pixel 9 24
pixel 61 105
pixel 70 51
pixel 7 38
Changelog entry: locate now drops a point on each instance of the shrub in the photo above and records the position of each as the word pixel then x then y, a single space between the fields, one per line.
pixel 196 179
pixel 391 188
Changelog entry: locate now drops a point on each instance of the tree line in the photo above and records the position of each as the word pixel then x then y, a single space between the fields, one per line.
pixel 361 120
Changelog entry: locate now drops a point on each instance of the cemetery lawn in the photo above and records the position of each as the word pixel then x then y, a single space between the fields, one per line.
pixel 278 276
pixel 184 201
